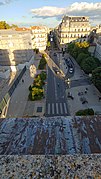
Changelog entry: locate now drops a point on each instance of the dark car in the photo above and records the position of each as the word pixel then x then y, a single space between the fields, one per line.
pixel 56 70
pixel 55 54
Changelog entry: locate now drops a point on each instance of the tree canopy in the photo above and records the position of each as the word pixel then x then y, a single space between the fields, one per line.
pixel 89 64
pixel 82 56
pixel 4 25
pixel 96 77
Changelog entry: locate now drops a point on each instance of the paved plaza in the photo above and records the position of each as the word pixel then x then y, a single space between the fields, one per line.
pixel 78 84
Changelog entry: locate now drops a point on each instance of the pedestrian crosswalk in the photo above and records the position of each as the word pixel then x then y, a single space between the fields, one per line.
pixel 56 109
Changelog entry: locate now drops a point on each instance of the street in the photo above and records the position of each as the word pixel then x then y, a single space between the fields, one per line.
pixel 56 103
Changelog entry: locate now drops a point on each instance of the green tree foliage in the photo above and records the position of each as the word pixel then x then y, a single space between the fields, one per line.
pixel 96 78
pixel 37 93
pixel 76 48
pixel 43 75
pixel 82 56
pixel 70 47
pixel 85 112
pixel 14 26
pixel 88 65
pixel 42 64
pixel 36 90
pixel 4 25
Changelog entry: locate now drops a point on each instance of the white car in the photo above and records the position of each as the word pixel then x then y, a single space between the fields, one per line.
pixel 70 70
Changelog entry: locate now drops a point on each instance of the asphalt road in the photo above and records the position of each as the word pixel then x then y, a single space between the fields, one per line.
pixel 56 104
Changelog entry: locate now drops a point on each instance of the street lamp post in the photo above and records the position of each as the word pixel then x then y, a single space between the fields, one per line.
pixel 68 82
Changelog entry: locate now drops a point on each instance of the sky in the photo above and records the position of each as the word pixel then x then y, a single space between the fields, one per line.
pixel 47 12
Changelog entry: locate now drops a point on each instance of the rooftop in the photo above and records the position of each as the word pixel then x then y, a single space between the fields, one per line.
pixel 51 135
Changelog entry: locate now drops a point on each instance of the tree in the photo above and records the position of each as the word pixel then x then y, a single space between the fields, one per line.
pixel 82 56
pixel 88 65
pixel 4 25
pixel 82 44
pixel 70 47
pixel 37 93
pixel 14 26
pixel 42 63
pixel 96 77
pixel 37 82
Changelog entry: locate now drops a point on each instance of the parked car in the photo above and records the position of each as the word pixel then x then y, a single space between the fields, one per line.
pixel 56 70
pixel 55 54
pixel 70 70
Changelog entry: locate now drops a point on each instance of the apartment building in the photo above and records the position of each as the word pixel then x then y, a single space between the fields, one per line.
pixel 15 46
pixel 39 37
pixel 72 28
pixel 98 29
pixel 98 47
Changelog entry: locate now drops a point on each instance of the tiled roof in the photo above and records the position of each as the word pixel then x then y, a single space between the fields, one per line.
pixel 36 27
pixel 22 29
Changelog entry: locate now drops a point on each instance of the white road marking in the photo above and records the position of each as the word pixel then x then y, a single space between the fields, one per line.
pixel 48 108
pixel 52 108
pixel 65 108
pixel 57 109
pixel 55 88
pixel 61 109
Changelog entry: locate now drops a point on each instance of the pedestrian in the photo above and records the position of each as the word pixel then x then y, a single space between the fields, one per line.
pixel 85 91
pixel 22 80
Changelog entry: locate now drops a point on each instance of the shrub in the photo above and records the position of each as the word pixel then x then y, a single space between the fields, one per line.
pixel 85 112
pixel 43 75
pixel 37 93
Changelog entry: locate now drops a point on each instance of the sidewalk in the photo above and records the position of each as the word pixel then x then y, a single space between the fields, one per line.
pixel 19 105
pixel 92 95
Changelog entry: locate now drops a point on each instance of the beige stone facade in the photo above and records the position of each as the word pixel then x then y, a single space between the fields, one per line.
pixel 39 37
pixel 15 47
pixel 98 29
pixel 72 28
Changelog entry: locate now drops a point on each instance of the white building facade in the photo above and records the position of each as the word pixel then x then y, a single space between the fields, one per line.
pixel 72 28
pixel 39 37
